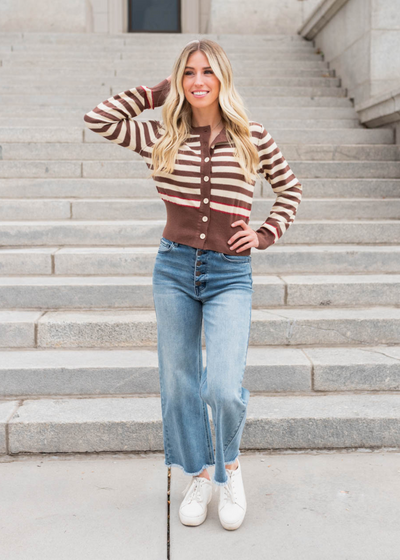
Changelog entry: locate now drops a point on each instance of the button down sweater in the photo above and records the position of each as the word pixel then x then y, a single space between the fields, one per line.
pixel 207 191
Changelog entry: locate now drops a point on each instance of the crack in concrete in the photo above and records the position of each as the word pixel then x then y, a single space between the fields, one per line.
pixel 292 323
pixel 338 332
pixel 132 377
pixel 379 352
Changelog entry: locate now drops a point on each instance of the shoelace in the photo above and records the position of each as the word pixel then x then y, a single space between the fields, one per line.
pixel 196 491
pixel 230 489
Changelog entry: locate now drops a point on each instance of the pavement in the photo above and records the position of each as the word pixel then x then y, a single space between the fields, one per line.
pixel 330 505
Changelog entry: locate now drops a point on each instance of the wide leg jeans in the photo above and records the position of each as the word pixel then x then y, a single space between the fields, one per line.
pixel 192 286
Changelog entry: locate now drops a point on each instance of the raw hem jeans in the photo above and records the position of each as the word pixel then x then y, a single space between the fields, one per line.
pixel 190 285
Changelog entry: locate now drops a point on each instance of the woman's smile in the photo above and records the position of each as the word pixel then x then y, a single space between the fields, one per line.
pixel 200 93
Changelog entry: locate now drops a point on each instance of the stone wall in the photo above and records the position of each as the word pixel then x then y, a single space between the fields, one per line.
pixel 361 41
pixel 259 16
pixel 43 15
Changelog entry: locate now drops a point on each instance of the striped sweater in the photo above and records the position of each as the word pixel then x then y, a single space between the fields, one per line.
pixel 207 190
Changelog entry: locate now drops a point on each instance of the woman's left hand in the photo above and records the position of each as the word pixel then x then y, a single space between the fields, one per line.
pixel 247 236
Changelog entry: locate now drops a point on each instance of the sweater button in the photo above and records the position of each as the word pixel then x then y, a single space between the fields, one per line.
pixel 205 200
pixel 207 159
pixel 202 235
pixel 206 178
pixel 205 218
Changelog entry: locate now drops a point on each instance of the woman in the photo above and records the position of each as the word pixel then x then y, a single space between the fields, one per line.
pixel 204 156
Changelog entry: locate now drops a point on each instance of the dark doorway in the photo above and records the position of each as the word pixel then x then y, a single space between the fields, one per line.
pixel 154 16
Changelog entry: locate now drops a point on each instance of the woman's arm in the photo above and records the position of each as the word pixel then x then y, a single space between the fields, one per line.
pixel 287 188
pixel 114 118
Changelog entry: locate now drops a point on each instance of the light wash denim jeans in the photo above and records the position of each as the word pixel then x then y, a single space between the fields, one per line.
pixel 190 285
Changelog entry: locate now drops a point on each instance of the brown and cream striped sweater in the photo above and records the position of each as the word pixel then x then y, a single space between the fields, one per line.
pixel 206 191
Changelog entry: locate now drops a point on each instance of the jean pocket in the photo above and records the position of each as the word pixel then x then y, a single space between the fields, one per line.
pixel 165 245
pixel 236 258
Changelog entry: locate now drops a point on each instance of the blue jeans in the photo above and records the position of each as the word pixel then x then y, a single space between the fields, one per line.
pixel 190 285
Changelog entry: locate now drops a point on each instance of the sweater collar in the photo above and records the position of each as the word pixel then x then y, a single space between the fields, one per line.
pixel 205 131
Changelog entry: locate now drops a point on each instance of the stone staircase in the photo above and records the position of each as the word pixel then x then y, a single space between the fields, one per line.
pixel 80 227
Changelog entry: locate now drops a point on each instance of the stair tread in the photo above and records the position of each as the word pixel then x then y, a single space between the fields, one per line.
pixel 147 357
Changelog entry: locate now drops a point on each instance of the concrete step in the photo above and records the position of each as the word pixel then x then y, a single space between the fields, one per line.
pixel 154 209
pixel 105 82
pixel 18 328
pixel 121 57
pixel 131 71
pixel 110 151
pixel 82 188
pixel 82 233
pixel 119 169
pixel 131 39
pixel 106 90
pixel 67 38
pixel 26 261
pixel 160 61
pixel 130 52
pixel 150 43
pixel 135 424
pixel 152 48
pixel 334 137
pixel 338 326
pixel 153 75
pixel 353 140
pixel 251 96
pixel 93 81
pixel 78 107
pixel 139 48
pixel 109 78
pixel 133 169
pixel 45 373
pixel 58 292
pixel 138 261
pixel 258 49
pixel 102 54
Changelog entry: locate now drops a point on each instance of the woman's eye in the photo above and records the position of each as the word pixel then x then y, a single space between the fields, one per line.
pixel 188 72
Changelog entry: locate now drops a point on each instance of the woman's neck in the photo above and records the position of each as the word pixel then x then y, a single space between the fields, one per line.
pixel 212 120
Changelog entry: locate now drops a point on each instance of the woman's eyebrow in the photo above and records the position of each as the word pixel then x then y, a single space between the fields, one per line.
pixel 204 67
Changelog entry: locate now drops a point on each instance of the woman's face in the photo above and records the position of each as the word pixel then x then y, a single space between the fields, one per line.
pixel 199 77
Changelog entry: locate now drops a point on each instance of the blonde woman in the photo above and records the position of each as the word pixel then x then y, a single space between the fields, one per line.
pixel 204 156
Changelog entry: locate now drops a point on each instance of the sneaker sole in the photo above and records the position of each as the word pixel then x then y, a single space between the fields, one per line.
pixel 233 526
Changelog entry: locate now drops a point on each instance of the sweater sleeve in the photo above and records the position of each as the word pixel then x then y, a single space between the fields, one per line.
pixel 114 118
pixel 285 185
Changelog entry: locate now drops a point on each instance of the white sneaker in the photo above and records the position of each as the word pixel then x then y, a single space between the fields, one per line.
pixel 232 500
pixel 193 509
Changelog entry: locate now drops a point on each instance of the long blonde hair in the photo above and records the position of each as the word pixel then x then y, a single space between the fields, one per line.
pixel 177 112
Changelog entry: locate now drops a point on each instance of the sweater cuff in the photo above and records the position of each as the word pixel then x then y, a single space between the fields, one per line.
pixel 160 92
pixel 265 237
